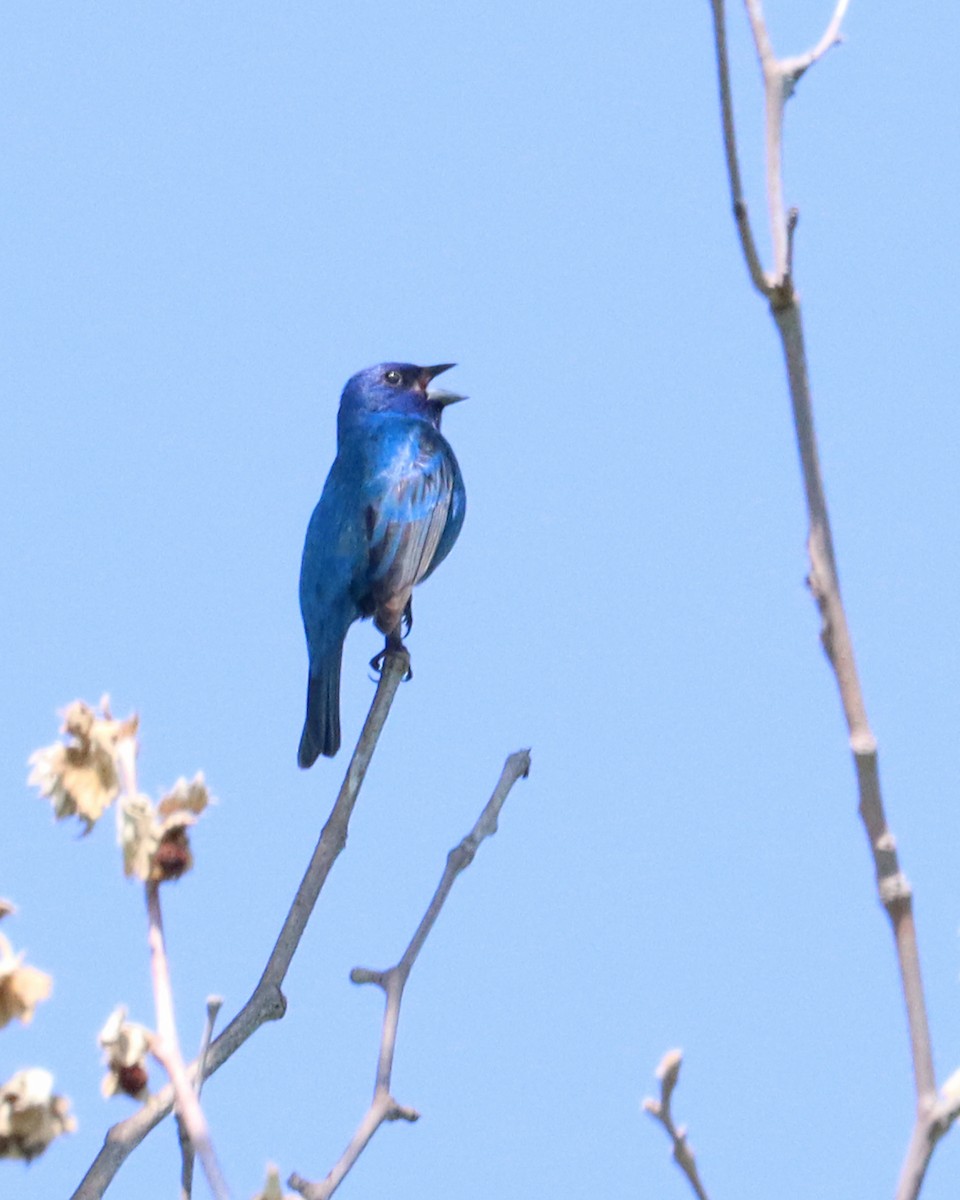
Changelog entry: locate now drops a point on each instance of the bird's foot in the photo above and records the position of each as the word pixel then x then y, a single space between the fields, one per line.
pixel 407 618
pixel 397 647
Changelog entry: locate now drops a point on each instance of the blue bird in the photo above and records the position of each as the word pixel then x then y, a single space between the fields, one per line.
pixel 390 511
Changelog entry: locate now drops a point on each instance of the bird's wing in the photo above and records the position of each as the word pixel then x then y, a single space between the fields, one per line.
pixel 407 520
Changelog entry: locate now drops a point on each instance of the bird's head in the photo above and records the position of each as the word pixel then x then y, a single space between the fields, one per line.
pixel 398 388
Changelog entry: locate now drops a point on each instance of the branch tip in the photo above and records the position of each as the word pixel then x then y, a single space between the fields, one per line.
pixel 364 975
pixel 668 1069
pixel 400 1112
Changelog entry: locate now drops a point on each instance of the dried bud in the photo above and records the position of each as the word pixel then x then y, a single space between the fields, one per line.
pixel 21 988
pixel 125 1046
pixel 172 857
pixel 31 1116
pixel 79 776
pixel 154 840
pixel 133 1080
pixel 7 909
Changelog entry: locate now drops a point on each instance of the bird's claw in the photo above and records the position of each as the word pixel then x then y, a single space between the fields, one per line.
pixel 376 663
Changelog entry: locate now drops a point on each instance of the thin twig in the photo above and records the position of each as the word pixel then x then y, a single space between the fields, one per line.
pixel 668 1072
pixel 267 1002
pixel 383 1106
pixel 793 68
pixel 166 1049
pixel 166 1043
pixel 780 76
pixel 741 216
pixel 214 1004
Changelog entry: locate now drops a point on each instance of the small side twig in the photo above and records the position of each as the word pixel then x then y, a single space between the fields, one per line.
pixel 214 1004
pixel 383 1106
pixel 794 67
pixel 668 1072
pixel 266 1002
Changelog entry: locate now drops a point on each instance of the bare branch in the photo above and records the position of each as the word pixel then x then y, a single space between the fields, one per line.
pixel 214 1004
pixel 780 76
pixel 383 1106
pixel 266 1002
pixel 668 1072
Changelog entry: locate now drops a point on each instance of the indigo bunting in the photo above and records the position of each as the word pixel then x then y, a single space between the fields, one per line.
pixel 390 511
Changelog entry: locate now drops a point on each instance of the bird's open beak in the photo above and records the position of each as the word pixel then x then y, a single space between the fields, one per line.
pixel 438 395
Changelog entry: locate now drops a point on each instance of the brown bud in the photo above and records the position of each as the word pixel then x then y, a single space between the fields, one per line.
pixel 132 1080
pixel 172 857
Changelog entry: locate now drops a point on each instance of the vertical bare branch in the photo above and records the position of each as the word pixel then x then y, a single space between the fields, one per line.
pixel 383 1106
pixel 780 77
pixel 166 1043
pixel 266 1002
pixel 166 1048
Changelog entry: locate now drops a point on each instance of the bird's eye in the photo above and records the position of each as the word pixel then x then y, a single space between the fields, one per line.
pixel 393 378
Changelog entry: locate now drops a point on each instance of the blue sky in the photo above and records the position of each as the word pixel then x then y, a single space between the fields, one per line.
pixel 213 216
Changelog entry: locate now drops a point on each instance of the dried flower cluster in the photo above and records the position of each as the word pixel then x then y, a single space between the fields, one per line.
pixel 154 838
pixel 82 775
pixel 126 1046
pixel 21 987
pixel 79 776
pixel 31 1115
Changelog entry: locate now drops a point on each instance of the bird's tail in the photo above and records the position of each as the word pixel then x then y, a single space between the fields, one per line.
pixel 321 730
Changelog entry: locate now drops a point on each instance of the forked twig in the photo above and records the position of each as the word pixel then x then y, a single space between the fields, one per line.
pixel 779 79
pixel 267 1002
pixel 383 1106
